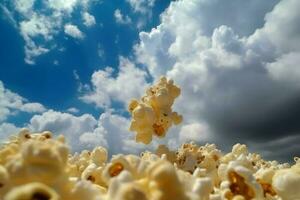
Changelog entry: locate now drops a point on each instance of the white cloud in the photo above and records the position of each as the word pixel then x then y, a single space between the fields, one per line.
pixel 120 18
pixel 73 110
pixel 73 31
pixel 11 102
pixel 64 123
pixel 113 131
pixel 66 5
pixel 7 129
pixel 286 68
pixel 195 132
pixel 141 6
pixel 130 82
pixel 32 108
pixel 230 66
pixel 39 26
pixel 85 132
pixel 88 19
pixel 24 6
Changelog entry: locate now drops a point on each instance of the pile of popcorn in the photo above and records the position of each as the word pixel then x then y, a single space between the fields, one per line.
pixel 37 166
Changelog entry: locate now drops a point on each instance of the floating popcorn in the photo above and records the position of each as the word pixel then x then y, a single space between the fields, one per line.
pixel 153 115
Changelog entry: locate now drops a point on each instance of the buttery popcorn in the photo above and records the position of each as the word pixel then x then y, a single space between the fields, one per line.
pixel 153 115
pixel 38 166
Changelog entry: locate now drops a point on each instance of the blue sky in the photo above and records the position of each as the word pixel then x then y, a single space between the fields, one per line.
pixel 71 67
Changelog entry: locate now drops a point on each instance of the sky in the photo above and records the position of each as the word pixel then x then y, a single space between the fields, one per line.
pixel 72 66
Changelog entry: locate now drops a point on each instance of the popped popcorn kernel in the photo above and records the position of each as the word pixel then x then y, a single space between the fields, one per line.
pixel 239 187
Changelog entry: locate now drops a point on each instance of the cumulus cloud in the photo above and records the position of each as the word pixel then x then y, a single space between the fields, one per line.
pixel 39 24
pixel 86 132
pixel 88 19
pixel 237 66
pixel 64 123
pixel 73 31
pixel 120 18
pixel 114 129
pixel 130 82
pixel 7 129
pixel 11 102
pixel 195 132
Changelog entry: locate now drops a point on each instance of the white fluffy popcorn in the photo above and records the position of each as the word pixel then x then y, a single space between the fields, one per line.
pixel 39 167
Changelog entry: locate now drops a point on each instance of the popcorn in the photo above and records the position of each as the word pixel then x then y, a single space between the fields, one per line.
pixel 4 180
pixel 164 150
pixel 32 191
pixel 94 174
pixel 39 166
pixel 164 182
pixel 153 115
pixel 203 187
pixel 38 161
pixel 115 167
pixel 99 156
pixel 286 182
pixel 239 182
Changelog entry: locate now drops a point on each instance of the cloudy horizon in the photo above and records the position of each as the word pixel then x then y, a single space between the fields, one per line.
pixel 72 66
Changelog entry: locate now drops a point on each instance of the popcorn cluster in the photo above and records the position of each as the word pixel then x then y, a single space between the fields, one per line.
pixel 37 166
pixel 153 114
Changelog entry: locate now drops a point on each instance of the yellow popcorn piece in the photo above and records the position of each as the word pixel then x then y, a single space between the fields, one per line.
pixel 153 114
pixel 117 165
pixel 32 191
pixel 286 182
pixel 164 150
pixel 4 180
pixel 164 182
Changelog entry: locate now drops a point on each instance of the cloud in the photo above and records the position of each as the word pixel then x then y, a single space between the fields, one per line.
pixel 114 130
pixel 88 19
pixel 39 24
pixel 64 123
pixel 237 64
pixel 194 132
pixel 73 31
pixel 130 82
pixel 73 110
pixel 141 6
pixel 120 18
pixel 286 68
pixel 278 149
pixel 11 102
pixel 7 129
pixel 85 132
